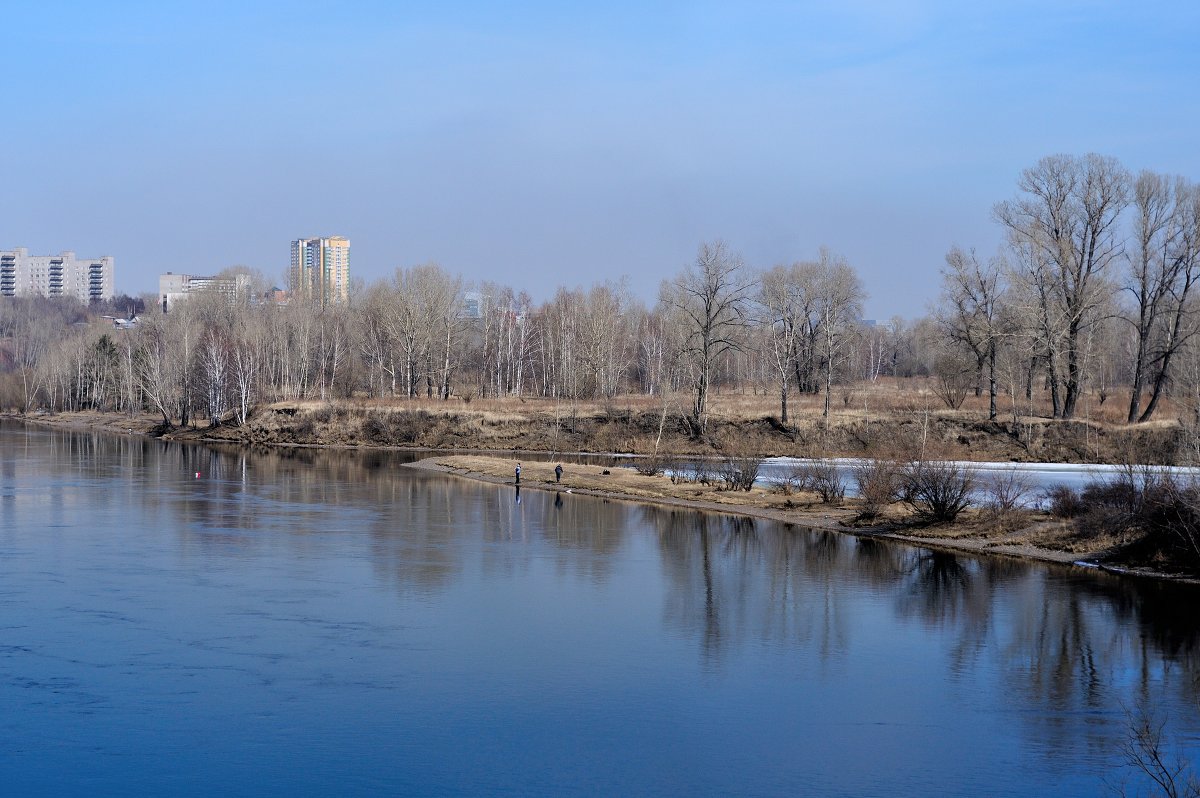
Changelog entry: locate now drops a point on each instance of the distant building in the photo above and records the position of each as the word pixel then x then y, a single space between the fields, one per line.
pixel 472 305
pixel 86 279
pixel 174 287
pixel 320 269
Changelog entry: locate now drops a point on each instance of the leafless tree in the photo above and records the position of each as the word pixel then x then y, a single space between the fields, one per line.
pixel 839 307
pixel 1068 213
pixel 440 313
pixel 972 293
pixel 247 356
pixel 708 303
pixel 214 362
pixel 376 344
pixel 1164 263
pixel 789 300
pixel 1147 752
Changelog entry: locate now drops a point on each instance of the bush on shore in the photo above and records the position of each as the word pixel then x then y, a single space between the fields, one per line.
pixel 1154 516
pixel 879 484
pixel 938 491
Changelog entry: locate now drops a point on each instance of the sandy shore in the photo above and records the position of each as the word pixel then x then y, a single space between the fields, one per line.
pixel 799 509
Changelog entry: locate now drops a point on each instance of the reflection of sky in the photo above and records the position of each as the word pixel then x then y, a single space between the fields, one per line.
pixel 313 624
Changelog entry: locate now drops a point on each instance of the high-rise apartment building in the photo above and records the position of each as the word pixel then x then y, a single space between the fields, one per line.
pixel 86 279
pixel 321 269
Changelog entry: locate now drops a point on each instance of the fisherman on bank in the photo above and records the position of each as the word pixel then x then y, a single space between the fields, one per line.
pixel 518 474
pixel 558 473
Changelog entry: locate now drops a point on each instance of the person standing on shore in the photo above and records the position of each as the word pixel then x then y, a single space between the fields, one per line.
pixel 518 474
pixel 558 473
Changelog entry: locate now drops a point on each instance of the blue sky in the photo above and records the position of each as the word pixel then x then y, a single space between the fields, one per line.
pixel 547 144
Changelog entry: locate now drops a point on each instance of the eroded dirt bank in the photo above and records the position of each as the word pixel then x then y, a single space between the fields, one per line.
pixel 547 427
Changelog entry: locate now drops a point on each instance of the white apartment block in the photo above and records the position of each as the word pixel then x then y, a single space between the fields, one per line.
pixel 320 269
pixel 86 279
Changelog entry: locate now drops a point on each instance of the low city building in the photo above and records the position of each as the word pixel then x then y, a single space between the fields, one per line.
pixel 174 287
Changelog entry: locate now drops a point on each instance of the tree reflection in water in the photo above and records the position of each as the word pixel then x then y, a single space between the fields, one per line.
pixel 1072 640
pixel 731 582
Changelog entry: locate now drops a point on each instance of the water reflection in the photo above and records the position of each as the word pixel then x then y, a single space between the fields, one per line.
pixel 732 577
pixel 1064 648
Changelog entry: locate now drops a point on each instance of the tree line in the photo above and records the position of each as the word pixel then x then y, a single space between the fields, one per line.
pixel 1092 291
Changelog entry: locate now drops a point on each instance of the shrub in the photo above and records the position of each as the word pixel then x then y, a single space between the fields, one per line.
pixel 878 483
pixel 793 481
pixel 1063 501
pixel 408 425
pixel 938 491
pixel 699 471
pixel 375 428
pixel 823 478
pixel 1005 493
pixel 738 472
pixel 649 466
pixel 954 379
pixel 1158 514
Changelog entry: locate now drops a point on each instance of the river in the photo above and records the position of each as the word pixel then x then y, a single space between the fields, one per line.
pixel 191 621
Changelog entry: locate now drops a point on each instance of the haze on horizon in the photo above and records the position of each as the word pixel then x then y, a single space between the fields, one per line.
pixel 540 145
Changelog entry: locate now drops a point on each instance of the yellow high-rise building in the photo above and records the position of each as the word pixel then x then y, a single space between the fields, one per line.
pixel 321 269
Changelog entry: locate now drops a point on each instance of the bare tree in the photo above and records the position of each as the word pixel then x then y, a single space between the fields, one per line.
pixel 214 361
pixel 708 302
pixel 247 365
pixel 158 370
pixel 1163 267
pixel 437 313
pixel 785 298
pixel 377 346
pixel 1068 213
pixel 408 325
pixel 972 293
pixel 838 306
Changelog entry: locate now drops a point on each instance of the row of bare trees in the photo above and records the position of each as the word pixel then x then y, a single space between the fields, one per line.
pixel 1095 284
pixel 1092 292
pixel 425 333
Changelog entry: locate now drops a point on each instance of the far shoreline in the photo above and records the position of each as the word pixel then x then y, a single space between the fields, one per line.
pixel 450 461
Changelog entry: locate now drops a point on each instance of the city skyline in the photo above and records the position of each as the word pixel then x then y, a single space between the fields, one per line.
pixel 545 146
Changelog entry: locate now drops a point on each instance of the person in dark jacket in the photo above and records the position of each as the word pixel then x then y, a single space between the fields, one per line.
pixel 558 473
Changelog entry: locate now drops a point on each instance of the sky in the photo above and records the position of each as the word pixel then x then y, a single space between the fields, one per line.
pixel 555 144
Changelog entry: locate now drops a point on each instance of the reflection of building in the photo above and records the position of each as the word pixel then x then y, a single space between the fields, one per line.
pixel 174 287
pixel 86 279
pixel 320 269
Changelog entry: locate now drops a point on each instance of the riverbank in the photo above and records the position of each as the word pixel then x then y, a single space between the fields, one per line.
pixel 643 425
pixel 1026 534
pixel 1037 537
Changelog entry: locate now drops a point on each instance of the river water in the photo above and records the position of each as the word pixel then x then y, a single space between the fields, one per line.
pixel 187 621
